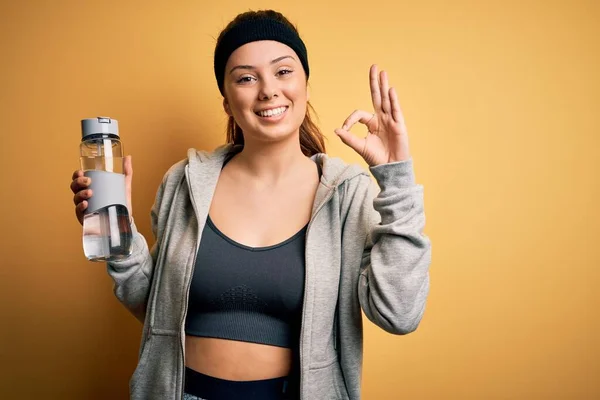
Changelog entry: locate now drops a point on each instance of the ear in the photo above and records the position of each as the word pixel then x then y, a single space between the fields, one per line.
pixel 226 106
pixel 307 93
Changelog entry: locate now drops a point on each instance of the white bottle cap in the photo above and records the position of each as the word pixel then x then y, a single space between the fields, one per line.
pixel 99 125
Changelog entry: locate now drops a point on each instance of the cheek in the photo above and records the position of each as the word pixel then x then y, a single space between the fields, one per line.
pixel 239 104
pixel 301 109
pixel 297 89
pixel 301 104
pixel 298 94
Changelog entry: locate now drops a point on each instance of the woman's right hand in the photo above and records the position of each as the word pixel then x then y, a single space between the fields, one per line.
pixel 80 188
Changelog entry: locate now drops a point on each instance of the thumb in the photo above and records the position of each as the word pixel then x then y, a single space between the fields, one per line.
pixel 128 170
pixel 352 141
pixel 128 167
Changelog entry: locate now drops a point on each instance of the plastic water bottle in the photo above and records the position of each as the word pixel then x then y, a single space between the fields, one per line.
pixel 106 224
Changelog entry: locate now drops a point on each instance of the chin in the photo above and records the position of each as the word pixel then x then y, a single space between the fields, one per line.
pixel 273 133
pixel 276 134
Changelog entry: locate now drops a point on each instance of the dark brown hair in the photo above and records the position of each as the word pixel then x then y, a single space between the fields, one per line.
pixel 312 140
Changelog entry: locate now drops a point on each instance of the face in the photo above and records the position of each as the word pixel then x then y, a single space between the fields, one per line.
pixel 265 90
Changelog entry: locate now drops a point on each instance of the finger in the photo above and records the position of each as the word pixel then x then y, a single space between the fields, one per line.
pixel 80 183
pixel 354 142
pixel 80 210
pixel 361 116
pixel 374 83
pixel 385 96
pixel 77 174
pixel 82 195
pixel 396 110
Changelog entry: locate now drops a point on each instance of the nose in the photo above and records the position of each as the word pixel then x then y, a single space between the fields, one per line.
pixel 268 88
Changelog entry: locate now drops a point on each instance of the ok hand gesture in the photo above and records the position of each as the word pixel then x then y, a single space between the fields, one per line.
pixel 387 140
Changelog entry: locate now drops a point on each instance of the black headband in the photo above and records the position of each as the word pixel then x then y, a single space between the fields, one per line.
pixel 251 31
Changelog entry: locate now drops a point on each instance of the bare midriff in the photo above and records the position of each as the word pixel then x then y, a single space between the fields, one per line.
pixel 235 360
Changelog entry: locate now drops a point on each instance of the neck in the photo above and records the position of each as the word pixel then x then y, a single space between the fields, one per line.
pixel 272 162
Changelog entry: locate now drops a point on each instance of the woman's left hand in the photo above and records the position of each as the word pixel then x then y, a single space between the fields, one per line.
pixel 387 140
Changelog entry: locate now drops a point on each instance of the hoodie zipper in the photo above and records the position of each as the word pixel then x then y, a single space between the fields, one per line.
pixel 327 198
pixel 187 289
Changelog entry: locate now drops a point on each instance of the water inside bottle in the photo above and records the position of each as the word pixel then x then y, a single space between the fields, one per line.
pixel 102 163
pixel 107 234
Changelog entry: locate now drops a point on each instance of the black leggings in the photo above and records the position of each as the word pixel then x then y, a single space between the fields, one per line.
pixel 204 387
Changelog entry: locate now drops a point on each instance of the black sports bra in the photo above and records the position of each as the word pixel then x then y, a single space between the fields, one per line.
pixel 244 293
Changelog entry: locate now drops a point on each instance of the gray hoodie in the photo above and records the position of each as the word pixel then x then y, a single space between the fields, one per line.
pixel 364 251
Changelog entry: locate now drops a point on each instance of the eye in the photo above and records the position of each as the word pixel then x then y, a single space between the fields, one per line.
pixel 245 79
pixel 284 71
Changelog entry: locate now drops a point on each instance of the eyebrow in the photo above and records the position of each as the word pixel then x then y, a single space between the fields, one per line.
pixel 252 67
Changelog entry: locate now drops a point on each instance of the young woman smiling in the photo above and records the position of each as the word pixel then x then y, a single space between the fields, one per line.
pixel 267 250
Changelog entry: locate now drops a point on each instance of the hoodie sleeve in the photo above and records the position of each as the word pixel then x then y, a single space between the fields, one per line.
pixel 394 274
pixel 133 276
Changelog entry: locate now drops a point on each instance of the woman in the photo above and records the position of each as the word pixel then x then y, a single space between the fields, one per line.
pixel 266 249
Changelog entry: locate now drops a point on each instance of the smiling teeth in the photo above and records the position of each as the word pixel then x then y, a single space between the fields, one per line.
pixel 270 113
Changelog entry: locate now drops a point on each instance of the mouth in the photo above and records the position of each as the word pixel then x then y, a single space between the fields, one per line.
pixel 272 114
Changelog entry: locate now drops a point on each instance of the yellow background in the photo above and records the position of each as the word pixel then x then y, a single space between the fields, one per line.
pixel 502 104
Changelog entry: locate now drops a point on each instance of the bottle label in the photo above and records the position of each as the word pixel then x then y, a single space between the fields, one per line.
pixel 108 188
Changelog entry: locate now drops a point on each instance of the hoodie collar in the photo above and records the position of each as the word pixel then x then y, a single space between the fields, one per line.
pixel 205 168
pixel 334 170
